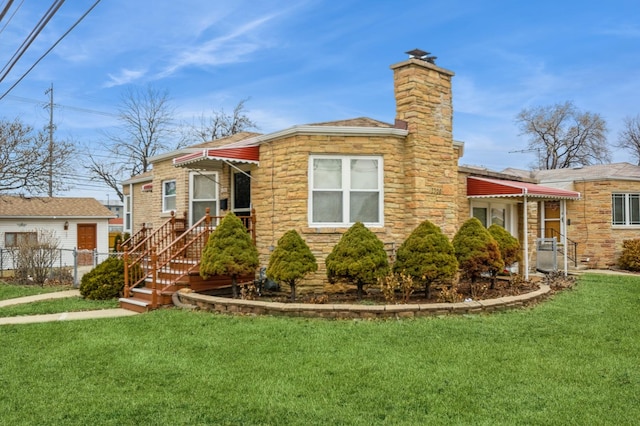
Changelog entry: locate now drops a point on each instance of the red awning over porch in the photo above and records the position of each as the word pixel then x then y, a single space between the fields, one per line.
pixel 479 187
pixel 208 156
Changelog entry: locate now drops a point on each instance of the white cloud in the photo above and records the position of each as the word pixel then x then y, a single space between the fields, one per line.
pixel 125 76
pixel 227 48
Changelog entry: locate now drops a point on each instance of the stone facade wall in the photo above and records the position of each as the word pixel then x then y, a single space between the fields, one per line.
pixel 599 243
pixel 280 193
pixel 149 205
pixel 140 205
pixel 424 102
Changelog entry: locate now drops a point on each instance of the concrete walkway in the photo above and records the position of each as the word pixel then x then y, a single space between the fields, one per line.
pixel 65 316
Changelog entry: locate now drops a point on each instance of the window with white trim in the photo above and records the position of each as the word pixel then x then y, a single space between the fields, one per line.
pixel 168 196
pixel 127 213
pixel 625 209
pixel 204 194
pixel 495 212
pixel 344 190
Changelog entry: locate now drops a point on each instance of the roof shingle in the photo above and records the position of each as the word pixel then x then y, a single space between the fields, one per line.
pixel 15 206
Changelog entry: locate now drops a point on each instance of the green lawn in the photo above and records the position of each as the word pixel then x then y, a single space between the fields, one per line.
pixel 572 360
pixel 10 291
pixel 68 304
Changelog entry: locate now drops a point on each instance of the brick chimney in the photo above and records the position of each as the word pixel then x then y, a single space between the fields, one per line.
pixel 424 103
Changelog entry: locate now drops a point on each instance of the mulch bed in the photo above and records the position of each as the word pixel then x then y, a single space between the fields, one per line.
pixel 479 291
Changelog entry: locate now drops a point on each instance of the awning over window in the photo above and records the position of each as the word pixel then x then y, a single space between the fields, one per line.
pixel 212 156
pixel 479 187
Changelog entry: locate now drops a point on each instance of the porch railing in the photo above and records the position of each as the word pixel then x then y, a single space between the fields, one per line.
pixel 571 249
pixel 169 263
pixel 137 257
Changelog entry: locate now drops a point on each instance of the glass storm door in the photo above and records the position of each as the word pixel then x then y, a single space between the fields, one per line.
pixel 241 202
pixel 204 193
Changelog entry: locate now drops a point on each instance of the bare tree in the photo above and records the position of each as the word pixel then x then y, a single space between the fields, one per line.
pixel 220 124
pixel 35 255
pixel 629 137
pixel 147 130
pixel 564 136
pixel 25 159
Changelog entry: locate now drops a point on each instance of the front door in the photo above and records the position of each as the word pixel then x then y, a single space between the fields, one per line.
pixel 552 220
pixel 241 193
pixel 87 242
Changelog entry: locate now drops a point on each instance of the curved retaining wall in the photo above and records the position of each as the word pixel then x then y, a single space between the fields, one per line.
pixel 348 311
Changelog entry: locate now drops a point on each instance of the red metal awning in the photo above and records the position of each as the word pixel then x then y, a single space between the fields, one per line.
pixel 478 187
pixel 208 156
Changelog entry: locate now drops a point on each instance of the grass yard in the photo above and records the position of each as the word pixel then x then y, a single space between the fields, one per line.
pixel 69 304
pixel 572 360
pixel 10 291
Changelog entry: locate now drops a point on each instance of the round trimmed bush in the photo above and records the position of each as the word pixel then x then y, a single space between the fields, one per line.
pixel 105 281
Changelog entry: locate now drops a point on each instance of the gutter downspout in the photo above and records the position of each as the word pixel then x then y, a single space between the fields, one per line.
pixel 130 209
pixel 526 237
pixel 563 210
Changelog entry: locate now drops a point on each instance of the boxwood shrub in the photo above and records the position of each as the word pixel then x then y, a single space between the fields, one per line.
pixel 105 281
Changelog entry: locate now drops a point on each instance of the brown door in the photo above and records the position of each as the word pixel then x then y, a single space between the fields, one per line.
pixel 552 219
pixel 87 242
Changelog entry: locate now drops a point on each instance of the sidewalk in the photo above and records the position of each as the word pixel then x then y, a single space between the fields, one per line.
pixel 65 316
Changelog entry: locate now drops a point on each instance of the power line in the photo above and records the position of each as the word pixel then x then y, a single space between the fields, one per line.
pixel 30 38
pixel 49 50
pixel 69 107
pixel 11 17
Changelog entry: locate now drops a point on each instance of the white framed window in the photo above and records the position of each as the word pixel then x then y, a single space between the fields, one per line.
pixel 203 194
pixel 168 195
pixel 344 190
pixel 495 212
pixel 127 213
pixel 625 209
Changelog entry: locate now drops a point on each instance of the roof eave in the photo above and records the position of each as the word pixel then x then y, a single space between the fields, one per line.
pixel 322 130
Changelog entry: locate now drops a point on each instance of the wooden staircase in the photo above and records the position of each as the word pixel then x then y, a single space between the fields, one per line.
pixel 168 259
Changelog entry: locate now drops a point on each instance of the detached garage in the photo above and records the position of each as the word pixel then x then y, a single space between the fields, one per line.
pixel 77 223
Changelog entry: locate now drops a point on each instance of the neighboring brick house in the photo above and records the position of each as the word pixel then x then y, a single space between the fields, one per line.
pixel 320 178
pixel 78 223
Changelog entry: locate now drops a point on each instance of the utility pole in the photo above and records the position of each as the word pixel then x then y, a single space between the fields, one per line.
pixel 50 93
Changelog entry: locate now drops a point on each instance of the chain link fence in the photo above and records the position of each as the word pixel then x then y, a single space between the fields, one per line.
pixel 76 262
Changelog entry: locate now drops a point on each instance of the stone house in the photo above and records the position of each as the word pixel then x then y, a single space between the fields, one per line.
pixel 321 178
pixel 607 214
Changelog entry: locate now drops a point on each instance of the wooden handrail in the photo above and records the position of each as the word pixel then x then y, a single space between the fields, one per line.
pixel 182 256
pixel 178 257
pixel 136 256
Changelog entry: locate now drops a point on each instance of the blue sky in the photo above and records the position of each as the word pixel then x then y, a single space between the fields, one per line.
pixel 310 61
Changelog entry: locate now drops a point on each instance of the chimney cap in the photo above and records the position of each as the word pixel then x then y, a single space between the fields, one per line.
pixel 422 55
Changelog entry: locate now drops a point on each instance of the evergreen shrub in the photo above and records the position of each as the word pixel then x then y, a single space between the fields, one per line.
pixel 427 256
pixel 105 281
pixel 476 250
pixel 229 251
pixel 359 258
pixel 291 261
